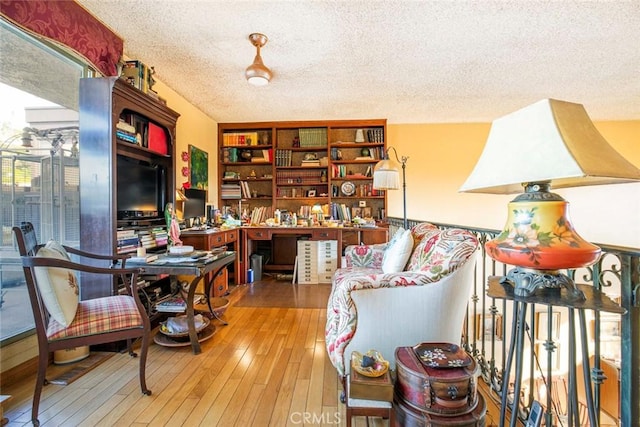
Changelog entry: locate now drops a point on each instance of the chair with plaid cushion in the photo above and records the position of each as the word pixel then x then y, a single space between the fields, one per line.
pixel 62 321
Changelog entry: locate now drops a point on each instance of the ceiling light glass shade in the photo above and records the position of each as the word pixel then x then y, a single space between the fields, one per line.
pixel 386 175
pixel 549 142
pixel 257 73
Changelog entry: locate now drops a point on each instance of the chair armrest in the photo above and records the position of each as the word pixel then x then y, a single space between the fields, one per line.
pixel 115 259
pixel 369 256
pixel 130 283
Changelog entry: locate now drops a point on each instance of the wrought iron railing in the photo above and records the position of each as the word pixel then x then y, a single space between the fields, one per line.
pixel 614 341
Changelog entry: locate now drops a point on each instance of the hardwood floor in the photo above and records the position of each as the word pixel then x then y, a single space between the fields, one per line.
pixel 268 367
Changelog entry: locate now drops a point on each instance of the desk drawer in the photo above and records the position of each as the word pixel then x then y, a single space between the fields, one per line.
pixel 258 234
pixel 216 240
pixel 325 234
pixel 231 236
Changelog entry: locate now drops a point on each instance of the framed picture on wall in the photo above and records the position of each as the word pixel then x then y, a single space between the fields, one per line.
pixel 199 168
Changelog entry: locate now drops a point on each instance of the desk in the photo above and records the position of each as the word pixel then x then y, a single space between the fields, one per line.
pixel 349 235
pixel 211 238
pixel 199 269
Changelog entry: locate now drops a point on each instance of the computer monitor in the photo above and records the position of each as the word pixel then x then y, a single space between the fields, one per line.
pixel 196 204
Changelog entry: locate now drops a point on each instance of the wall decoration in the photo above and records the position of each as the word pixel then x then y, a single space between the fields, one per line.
pixel 199 166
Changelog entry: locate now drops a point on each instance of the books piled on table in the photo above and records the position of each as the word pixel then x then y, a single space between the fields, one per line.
pixel 147 240
pixel 127 241
pixel 260 214
pixel 143 259
pixel 172 305
pixel 160 236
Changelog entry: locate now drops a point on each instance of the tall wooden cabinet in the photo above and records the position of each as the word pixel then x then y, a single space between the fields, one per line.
pixel 294 165
pixel 107 147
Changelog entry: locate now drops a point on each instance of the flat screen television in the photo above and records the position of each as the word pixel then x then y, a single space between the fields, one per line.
pixel 196 204
pixel 139 190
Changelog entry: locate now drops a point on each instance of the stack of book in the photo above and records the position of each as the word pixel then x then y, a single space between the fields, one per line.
pixel 172 305
pixel 126 132
pixel 310 163
pixel 230 191
pixel 147 240
pixel 127 241
pixel 160 236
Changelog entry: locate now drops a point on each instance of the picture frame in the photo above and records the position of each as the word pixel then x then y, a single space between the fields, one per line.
pixel 311 193
pixel 542 324
pixel 198 167
pixel 366 212
pixel 356 212
pixel 609 326
pixel 485 327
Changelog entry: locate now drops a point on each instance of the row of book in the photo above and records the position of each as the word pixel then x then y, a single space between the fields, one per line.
pixel 128 240
pixel 138 75
pixel 298 177
pixel 313 137
pixel 240 138
pixel 259 214
pixel 283 158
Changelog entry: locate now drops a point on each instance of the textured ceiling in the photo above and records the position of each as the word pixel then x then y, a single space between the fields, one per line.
pixel 407 61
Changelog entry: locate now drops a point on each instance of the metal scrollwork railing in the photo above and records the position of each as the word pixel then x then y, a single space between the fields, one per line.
pixel 614 340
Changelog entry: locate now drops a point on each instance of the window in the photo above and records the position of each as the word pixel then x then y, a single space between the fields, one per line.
pixel 39 150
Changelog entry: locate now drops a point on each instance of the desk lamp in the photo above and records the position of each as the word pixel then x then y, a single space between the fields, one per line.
pixel 386 177
pixel 549 141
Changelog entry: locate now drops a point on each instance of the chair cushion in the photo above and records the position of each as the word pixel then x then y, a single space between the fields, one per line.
pixel 97 316
pixel 441 252
pixel 58 288
pixel 398 252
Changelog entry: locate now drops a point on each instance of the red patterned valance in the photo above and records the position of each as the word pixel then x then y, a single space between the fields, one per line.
pixel 66 22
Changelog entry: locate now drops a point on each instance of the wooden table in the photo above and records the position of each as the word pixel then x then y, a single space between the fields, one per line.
pixel 200 269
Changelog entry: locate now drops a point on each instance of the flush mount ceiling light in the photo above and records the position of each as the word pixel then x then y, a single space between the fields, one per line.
pixel 257 74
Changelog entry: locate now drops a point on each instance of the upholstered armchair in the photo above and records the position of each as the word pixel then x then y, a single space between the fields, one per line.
pixel 62 321
pixel 424 302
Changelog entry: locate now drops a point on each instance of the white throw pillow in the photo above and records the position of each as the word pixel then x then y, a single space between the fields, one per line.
pixel 56 246
pixel 58 288
pixel 398 252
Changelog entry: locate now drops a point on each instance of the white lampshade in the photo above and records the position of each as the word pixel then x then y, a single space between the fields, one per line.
pixel 550 140
pixel 386 175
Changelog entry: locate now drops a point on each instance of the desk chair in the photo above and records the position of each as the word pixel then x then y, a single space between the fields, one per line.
pixel 63 322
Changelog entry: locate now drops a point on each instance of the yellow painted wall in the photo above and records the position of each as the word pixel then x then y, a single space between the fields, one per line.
pixel 194 128
pixel 441 156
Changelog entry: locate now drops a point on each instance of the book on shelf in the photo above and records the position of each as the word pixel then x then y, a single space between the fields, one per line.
pixel 172 305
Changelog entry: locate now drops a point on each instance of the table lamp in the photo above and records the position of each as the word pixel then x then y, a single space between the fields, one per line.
pixel 547 142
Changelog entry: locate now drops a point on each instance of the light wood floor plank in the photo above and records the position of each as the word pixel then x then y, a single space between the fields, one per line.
pixel 267 367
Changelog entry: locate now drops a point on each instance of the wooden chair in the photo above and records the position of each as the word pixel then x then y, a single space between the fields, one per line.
pixel 96 321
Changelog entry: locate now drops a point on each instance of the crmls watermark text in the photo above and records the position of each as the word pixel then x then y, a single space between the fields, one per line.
pixel 314 418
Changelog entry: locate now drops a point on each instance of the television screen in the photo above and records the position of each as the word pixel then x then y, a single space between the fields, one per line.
pixel 138 188
pixel 196 204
